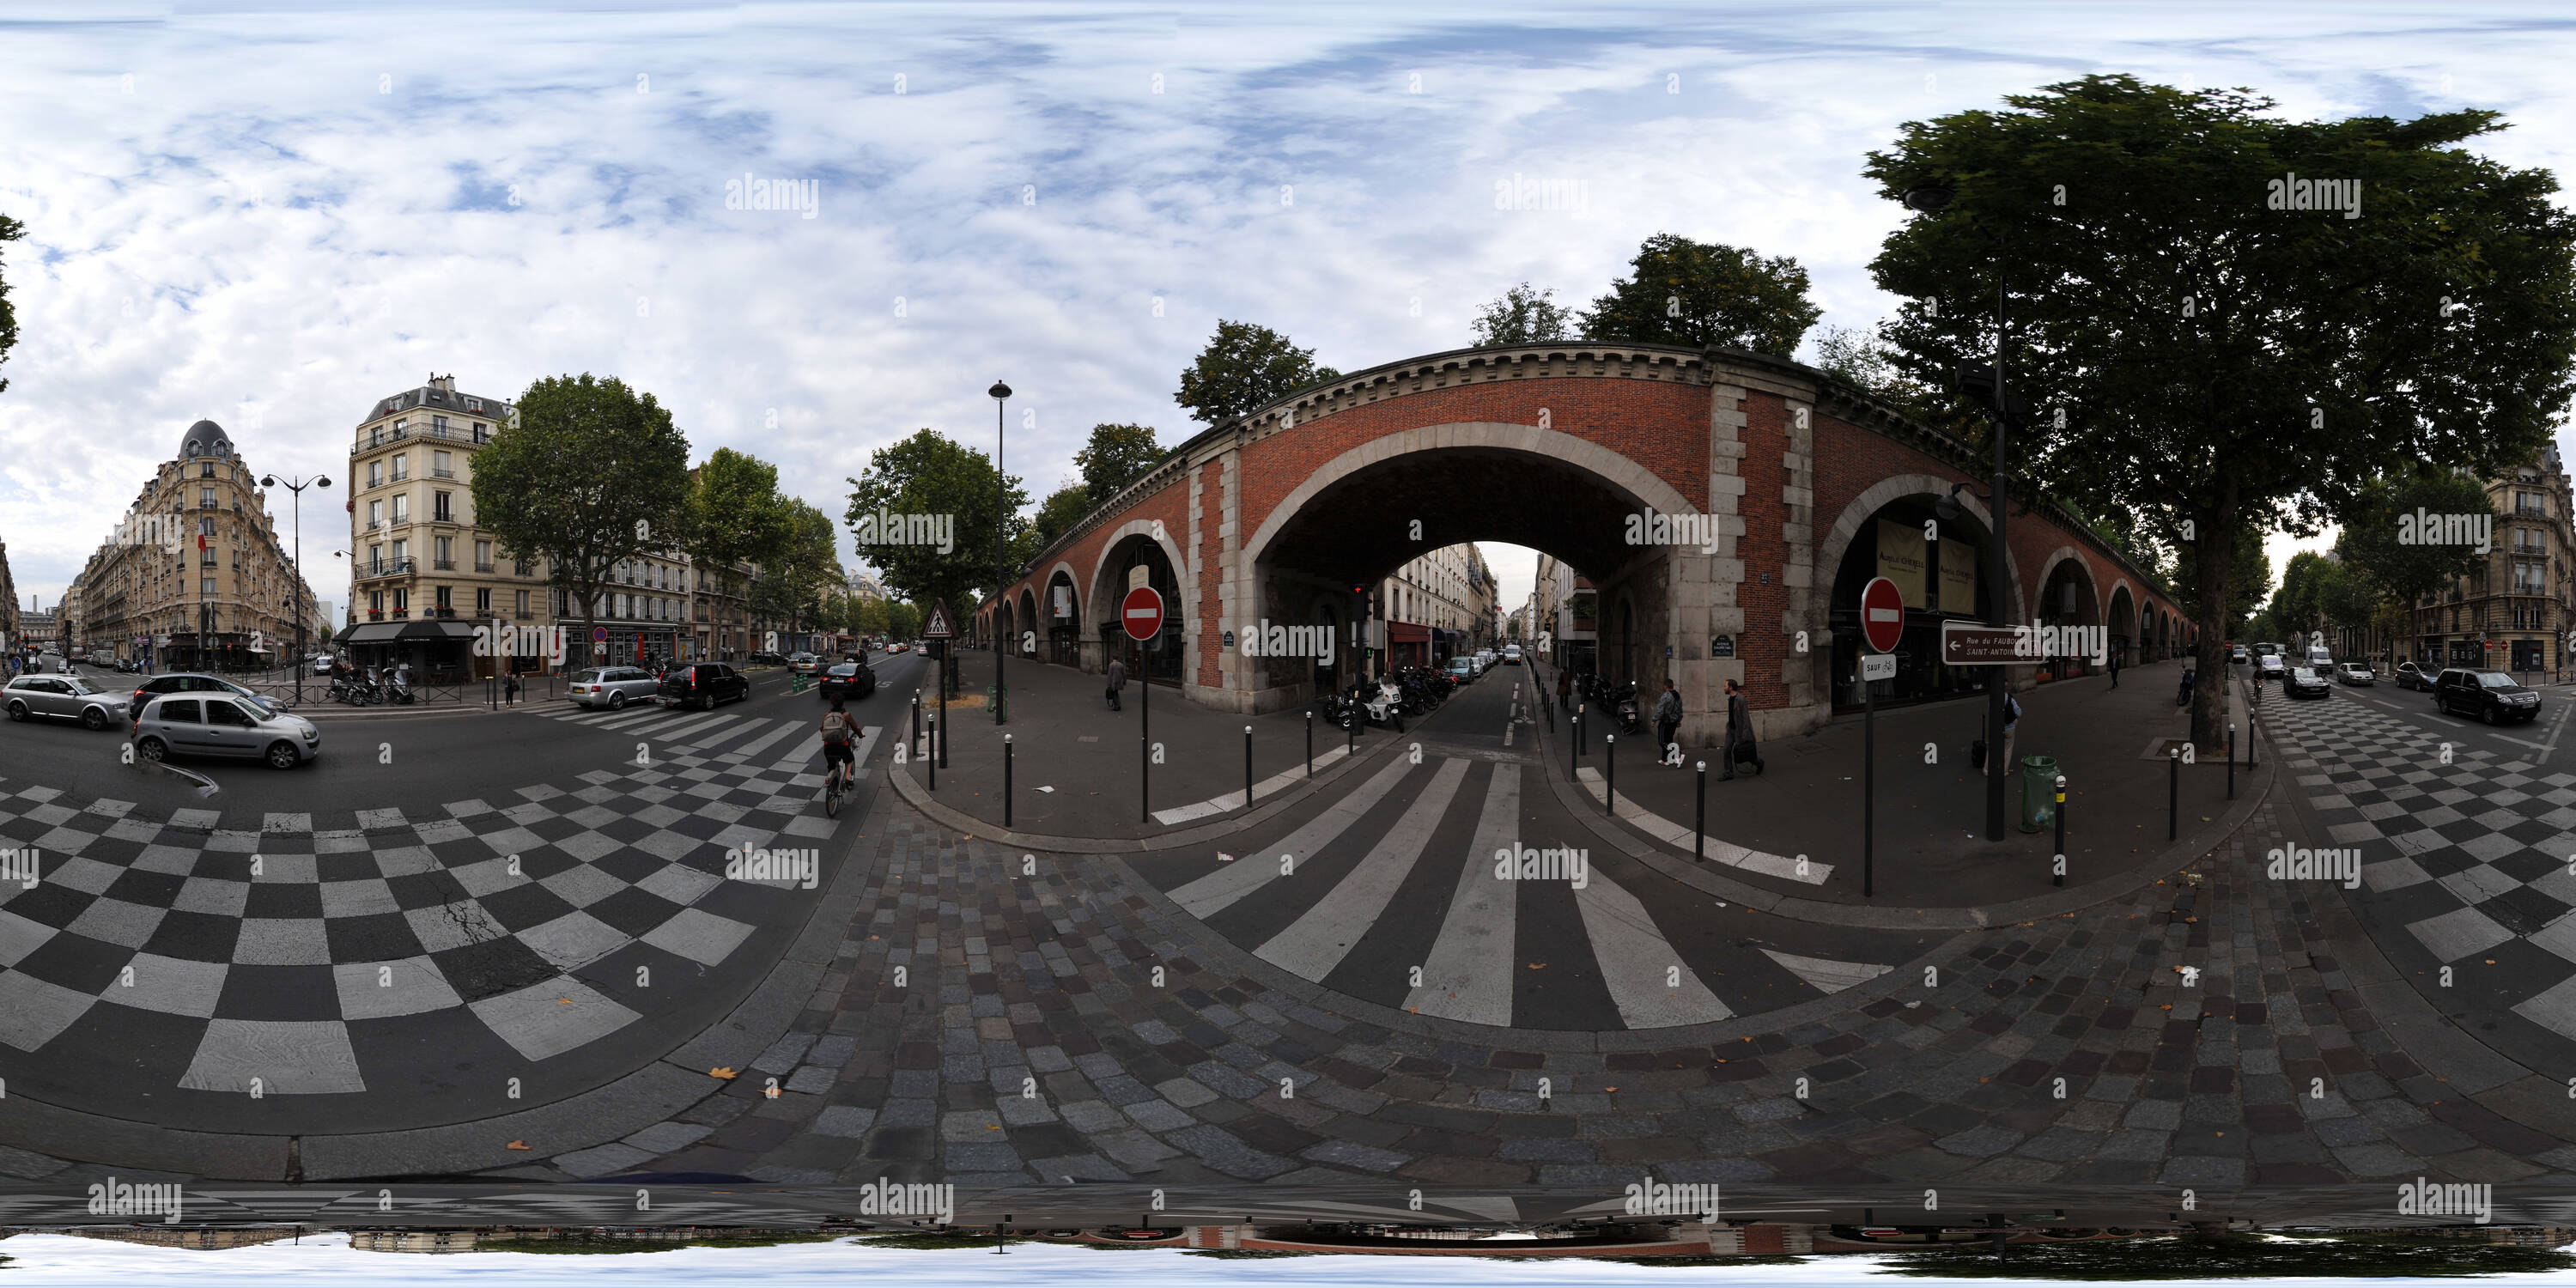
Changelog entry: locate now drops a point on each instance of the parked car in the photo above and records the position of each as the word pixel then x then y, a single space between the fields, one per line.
pixel 613 686
pixel 209 723
pixel 2410 676
pixel 198 682
pixel 898 648
pixel 1461 669
pixel 63 697
pixel 847 680
pixel 2306 682
pixel 2492 696
pixel 703 685
pixel 763 657
pixel 2356 673
pixel 804 663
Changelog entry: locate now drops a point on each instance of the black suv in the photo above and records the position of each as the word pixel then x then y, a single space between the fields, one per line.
pixel 2491 696
pixel 703 685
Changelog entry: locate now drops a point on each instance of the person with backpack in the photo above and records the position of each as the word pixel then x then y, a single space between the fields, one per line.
pixel 836 740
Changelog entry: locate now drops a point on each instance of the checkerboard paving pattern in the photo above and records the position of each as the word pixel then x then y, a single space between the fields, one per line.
pixel 309 955
pixel 2480 847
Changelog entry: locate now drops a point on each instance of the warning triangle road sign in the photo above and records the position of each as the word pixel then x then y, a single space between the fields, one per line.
pixel 937 627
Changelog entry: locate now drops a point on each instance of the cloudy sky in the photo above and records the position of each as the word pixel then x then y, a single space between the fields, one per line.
pixel 274 215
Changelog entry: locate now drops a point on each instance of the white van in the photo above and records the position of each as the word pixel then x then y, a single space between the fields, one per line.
pixel 1511 655
pixel 2322 660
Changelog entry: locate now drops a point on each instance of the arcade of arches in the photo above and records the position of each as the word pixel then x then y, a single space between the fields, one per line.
pixel 1809 490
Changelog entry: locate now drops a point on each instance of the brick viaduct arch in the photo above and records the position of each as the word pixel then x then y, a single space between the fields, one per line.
pixel 1276 514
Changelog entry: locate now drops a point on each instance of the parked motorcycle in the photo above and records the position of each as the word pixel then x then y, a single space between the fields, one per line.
pixel 1631 720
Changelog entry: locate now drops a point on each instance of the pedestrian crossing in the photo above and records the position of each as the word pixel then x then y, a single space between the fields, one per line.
pixel 731 735
pixel 1432 888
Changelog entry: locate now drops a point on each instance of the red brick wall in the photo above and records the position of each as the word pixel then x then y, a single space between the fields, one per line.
pixel 1211 556
pixel 1764 650
pixel 1662 425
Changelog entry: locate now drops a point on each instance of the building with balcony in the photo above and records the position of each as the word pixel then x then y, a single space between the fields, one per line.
pixel 1565 614
pixel 194 575
pixel 422 574
pixel 2514 609
pixel 1437 606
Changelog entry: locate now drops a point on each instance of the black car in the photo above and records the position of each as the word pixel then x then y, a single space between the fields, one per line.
pixel 703 685
pixel 2491 696
pixel 2410 676
pixel 847 680
pixel 196 682
pixel 2306 682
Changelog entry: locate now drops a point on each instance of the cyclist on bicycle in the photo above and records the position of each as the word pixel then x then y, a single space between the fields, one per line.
pixel 836 741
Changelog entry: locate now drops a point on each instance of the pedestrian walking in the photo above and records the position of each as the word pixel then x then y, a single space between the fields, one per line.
pixel 2012 717
pixel 1740 745
pixel 2115 666
pixel 1668 723
pixel 510 689
pixel 1117 681
pixel 1564 689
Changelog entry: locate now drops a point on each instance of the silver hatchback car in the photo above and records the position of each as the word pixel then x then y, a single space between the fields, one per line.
pixel 64 697
pixel 219 724
pixel 612 686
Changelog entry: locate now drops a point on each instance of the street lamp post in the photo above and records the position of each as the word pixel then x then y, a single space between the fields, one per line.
pixel 1001 394
pixel 296 591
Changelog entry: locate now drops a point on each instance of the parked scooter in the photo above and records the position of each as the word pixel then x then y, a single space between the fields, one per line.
pixel 1631 721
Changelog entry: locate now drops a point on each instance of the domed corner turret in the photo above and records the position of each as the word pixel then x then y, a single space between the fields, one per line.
pixel 206 438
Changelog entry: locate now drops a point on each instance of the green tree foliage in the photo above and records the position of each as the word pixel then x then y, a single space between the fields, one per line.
pixel 1056 516
pixel 2375 532
pixel 585 475
pixel 931 474
pixel 804 570
pixel 1245 367
pixel 735 514
pixel 1116 456
pixel 10 230
pixel 867 615
pixel 903 621
pixel 2299 608
pixel 2219 361
pixel 2248 581
pixel 1701 293
pixel 1523 316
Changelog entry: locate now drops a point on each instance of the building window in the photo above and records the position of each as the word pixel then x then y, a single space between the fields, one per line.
pixel 402 548
pixel 375 474
pixel 442 506
pixel 621 606
pixel 2527 503
pixel 375 515
pixel 443 597
pixel 402 507
pixel 482 432
pixel 482 601
pixel 446 556
pixel 438 426
pixel 521 607
pixel 2528 578
pixel 482 556
pixel 442 465
pixel 206 587
pixel 402 466
pixel 375 601
pixel 402 600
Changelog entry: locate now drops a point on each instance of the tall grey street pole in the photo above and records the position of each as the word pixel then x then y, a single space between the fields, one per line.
pixel 1001 394
pixel 297 487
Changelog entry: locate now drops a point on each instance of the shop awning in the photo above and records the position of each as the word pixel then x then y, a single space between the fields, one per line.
pixel 439 630
pixel 374 633
pixel 1408 633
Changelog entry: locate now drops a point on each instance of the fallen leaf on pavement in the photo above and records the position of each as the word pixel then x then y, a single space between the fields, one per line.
pixel 516 1144
pixel 722 1072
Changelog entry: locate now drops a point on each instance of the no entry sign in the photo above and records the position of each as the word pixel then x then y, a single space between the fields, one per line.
pixel 1882 615
pixel 1141 613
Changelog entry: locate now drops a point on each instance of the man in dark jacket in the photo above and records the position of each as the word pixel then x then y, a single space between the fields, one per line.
pixel 1117 681
pixel 1739 731
pixel 1668 722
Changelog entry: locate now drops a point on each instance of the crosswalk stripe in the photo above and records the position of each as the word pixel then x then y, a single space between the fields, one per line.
pixel 622 719
pixel 1317 941
pixel 1468 974
pixel 690 727
pixel 727 733
pixel 1828 976
pixel 1219 890
pixel 1636 960
pixel 751 749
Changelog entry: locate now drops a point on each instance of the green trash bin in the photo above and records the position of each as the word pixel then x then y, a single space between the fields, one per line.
pixel 2038 793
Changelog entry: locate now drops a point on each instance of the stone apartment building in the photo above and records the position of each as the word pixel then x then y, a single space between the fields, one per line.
pixel 194 574
pixel 2514 610
pixel 1438 606
pixel 1564 609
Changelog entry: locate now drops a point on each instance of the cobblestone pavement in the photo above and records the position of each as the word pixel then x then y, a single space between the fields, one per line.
pixel 1031 1041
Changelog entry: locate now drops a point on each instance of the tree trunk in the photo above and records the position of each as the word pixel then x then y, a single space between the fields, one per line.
pixel 2217 549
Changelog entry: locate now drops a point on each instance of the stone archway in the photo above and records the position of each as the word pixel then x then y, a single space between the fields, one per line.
pixel 1179 639
pixel 1828 686
pixel 1025 623
pixel 2121 619
pixel 2068 597
pixel 1062 630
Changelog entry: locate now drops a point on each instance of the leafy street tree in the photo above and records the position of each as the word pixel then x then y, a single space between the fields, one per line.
pixel 799 577
pixel 1056 516
pixel 1245 367
pixel 586 475
pixel 1702 293
pixel 2299 609
pixel 2248 582
pixel 10 230
pixel 735 515
pixel 1116 456
pixel 2225 354
pixel 2376 531
pixel 1523 316
pixel 929 474
pixel 867 615
pixel 903 621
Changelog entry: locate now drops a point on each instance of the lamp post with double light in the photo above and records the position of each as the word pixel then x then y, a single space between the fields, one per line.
pixel 298 590
pixel 1001 395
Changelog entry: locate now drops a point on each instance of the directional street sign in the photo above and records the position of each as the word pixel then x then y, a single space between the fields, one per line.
pixel 1141 613
pixel 937 628
pixel 1971 644
pixel 1882 615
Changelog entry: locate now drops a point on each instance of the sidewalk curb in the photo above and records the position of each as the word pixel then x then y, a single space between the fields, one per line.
pixel 2195 845
pixel 1225 825
pixel 655 1091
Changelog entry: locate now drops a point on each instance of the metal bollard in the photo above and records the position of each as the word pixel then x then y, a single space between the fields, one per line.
pixel 1610 773
pixel 934 760
pixel 2173 794
pixel 1699 819
pixel 916 717
pixel 2231 760
pixel 2060 866
pixel 1247 769
pixel 1310 742
pixel 1578 736
pixel 1006 780
pixel 2253 740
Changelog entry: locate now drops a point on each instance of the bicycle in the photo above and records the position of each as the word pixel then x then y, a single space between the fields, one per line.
pixel 835 782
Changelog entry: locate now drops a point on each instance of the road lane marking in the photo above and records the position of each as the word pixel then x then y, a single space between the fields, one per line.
pixel 1636 960
pixel 1317 941
pixel 1218 890
pixel 1468 973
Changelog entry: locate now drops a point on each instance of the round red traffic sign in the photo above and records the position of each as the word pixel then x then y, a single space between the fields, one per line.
pixel 1882 615
pixel 1141 613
